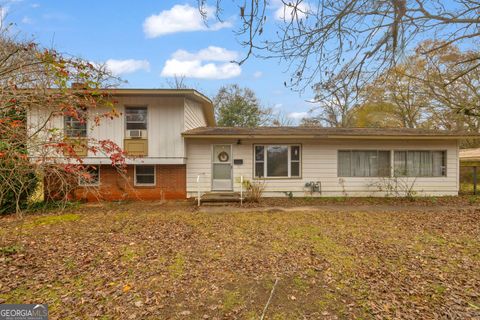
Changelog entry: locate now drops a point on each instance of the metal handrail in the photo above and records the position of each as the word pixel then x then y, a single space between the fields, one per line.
pixel 198 189
pixel 241 190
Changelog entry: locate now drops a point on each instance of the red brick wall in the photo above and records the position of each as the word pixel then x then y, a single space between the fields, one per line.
pixel 170 184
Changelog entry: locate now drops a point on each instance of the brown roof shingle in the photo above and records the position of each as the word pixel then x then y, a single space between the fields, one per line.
pixel 319 132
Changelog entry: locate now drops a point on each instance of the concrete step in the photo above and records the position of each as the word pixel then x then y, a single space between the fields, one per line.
pixel 217 204
pixel 220 197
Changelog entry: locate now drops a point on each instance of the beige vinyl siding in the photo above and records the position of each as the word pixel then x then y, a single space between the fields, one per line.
pixel 36 118
pixel 319 163
pixel 164 128
pixel 194 116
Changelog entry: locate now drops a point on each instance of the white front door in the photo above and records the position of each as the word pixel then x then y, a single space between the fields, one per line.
pixel 222 167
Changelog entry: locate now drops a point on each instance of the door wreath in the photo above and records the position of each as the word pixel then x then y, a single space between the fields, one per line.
pixel 223 156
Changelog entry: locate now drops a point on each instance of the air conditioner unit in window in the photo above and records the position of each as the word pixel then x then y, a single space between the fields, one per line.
pixel 136 134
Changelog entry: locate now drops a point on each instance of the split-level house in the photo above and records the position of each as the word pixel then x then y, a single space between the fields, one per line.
pixel 177 152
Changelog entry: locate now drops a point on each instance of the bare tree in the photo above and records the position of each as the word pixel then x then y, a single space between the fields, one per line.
pixel 335 100
pixel 278 119
pixel 177 82
pixel 310 122
pixel 358 38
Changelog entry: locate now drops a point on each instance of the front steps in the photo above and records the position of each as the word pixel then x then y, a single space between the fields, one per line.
pixel 219 198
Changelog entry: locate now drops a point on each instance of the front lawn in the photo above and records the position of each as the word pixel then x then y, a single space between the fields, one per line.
pixel 153 261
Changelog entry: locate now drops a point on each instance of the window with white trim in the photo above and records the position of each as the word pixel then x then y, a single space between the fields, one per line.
pixel 420 163
pixel 364 163
pixel 136 118
pixel 91 177
pixel 145 175
pixel 75 127
pixel 277 161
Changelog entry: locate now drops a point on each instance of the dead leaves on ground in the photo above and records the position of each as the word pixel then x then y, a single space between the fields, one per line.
pixel 154 262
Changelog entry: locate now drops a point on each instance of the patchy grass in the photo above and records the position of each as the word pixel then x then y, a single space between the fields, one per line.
pixel 148 261
pixel 52 219
pixel 176 269
pixel 231 300
pixel 11 249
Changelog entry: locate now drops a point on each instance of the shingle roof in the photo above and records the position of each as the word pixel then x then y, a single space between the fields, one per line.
pixel 319 132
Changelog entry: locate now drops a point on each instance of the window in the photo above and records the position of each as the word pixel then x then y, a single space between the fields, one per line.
pixel 75 127
pixel 363 163
pixel 412 163
pixel 277 161
pixel 136 118
pixel 91 178
pixel 145 175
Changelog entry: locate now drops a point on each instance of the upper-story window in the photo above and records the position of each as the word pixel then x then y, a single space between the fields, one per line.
pixel 75 127
pixel 136 118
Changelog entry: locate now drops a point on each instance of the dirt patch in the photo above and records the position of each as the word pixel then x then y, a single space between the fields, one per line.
pixel 171 261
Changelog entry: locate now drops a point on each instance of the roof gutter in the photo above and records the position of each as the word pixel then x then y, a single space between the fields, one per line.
pixel 246 136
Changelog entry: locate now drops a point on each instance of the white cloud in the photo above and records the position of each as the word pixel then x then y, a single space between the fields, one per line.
pixel 277 108
pixel 199 64
pixel 35 5
pixel 56 16
pixel 209 54
pixel 287 12
pixel 196 69
pixel 257 74
pixel 27 20
pixel 118 67
pixel 297 115
pixel 180 18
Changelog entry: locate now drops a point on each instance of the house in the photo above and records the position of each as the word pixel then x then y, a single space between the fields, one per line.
pixel 469 170
pixel 471 155
pixel 178 151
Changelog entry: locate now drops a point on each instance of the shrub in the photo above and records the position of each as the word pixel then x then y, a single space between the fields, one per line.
pixel 253 190
pixel 21 184
pixel 396 187
pixel 289 194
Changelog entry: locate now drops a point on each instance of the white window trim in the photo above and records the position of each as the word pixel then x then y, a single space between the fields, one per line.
pixel 91 184
pixel 137 106
pixel 265 160
pixel 65 128
pixel 392 163
pixel 145 184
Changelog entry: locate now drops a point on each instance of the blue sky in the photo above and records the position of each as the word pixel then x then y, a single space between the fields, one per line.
pixel 149 41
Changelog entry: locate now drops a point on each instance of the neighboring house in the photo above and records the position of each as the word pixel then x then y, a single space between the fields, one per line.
pixel 469 155
pixel 179 151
